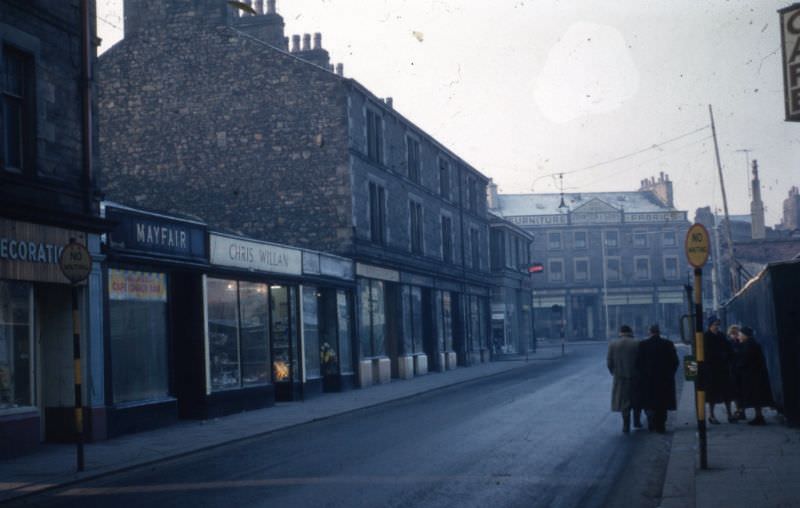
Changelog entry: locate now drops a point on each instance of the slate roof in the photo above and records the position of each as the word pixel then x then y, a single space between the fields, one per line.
pixel 547 204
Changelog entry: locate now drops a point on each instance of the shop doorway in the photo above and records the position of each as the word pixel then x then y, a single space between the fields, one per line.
pixel 56 377
pixel 285 347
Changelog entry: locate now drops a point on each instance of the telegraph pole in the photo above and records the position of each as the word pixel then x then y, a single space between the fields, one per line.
pixel 724 204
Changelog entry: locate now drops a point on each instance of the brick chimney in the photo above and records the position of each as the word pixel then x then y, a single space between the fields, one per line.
pixel 492 199
pixel 267 25
pixel 661 189
pixel 316 54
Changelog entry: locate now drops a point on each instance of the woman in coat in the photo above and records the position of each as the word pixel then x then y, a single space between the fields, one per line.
pixel 718 353
pixel 752 369
pixel 736 383
pixel 621 362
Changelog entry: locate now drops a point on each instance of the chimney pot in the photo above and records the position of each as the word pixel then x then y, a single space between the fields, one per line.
pixel 317 40
pixel 295 43
pixel 340 69
pixel 259 6
pixel 306 42
pixel 389 102
pixel 270 6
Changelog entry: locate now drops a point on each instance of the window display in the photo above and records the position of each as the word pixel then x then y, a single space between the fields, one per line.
pixel 223 340
pixel 254 331
pixel 372 314
pixel 345 335
pixel 311 332
pixel 16 332
pixel 138 335
pixel 284 334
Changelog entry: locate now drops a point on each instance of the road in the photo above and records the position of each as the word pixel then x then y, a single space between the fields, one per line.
pixel 538 436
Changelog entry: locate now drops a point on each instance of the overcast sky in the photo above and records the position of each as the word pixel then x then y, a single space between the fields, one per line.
pixel 523 89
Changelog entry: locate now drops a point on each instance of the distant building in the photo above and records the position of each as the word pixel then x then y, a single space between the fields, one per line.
pixel 791 211
pixel 610 258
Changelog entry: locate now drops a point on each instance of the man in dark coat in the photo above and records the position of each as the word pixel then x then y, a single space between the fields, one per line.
pixel 656 363
pixel 718 355
pixel 752 369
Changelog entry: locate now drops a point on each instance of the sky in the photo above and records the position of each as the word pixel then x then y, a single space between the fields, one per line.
pixel 607 93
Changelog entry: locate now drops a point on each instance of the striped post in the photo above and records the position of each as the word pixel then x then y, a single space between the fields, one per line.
pixel 700 394
pixel 76 356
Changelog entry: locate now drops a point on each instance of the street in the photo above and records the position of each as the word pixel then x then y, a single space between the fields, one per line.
pixel 541 435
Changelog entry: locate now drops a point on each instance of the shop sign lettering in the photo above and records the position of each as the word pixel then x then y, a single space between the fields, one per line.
pixel 138 231
pixel 239 253
pixel 31 252
pixel 137 286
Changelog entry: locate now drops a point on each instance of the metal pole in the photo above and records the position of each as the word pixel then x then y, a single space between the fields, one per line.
pixel 700 394
pixel 725 206
pixel 76 355
pixel 605 283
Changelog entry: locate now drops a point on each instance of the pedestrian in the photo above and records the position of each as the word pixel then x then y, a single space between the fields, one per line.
pixel 736 382
pixel 621 362
pixel 752 368
pixel 656 363
pixel 718 356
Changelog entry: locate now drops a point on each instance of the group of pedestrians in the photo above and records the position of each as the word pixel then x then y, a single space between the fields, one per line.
pixel 644 378
pixel 736 373
pixel 644 375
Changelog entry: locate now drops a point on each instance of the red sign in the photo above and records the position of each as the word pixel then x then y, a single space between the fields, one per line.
pixel 536 268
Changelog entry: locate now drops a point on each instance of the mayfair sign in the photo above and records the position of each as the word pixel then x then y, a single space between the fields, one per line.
pixel 155 234
pixel 790 45
pixel 257 256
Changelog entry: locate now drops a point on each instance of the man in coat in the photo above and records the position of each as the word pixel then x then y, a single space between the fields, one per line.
pixel 656 362
pixel 621 362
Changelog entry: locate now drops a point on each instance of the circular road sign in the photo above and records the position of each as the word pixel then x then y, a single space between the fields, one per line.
pixel 75 262
pixel 697 245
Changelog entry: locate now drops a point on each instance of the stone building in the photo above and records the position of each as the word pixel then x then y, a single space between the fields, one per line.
pixel 791 211
pixel 47 197
pixel 214 114
pixel 610 258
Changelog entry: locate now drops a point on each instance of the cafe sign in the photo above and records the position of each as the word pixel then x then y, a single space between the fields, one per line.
pixel 790 45
pixel 32 252
pixel 257 256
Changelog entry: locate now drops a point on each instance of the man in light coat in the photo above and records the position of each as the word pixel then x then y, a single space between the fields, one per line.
pixel 621 361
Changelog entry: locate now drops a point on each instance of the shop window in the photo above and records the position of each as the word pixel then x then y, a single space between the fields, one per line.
pixel 238 334
pixel 16 338
pixel 372 314
pixel 412 319
pixel 444 320
pixel 138 335
pixel 345 334
pixel 311 342
pixel 412 159
pixel 284 334
pixel 17 111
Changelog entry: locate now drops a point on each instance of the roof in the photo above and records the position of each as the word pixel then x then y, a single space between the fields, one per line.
pixel 766 251
pixel 548 204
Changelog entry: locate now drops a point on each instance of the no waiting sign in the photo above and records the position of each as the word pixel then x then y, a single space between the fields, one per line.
pixel 697 245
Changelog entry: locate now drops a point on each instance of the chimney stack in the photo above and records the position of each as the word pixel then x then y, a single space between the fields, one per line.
pixel 259 7
pixel 306 42
pixel 389 102
pixel 270 6
pixel 317 40
pixel 757 226
pixel 340 69
pixel 295 43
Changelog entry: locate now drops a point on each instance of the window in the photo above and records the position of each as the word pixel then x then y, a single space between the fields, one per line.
pixel 444 319
pixel 412 158
pixel 311 332
pixel 377 213
pixel 554 240
pixel 642 267
pixel 613 269
pixel 640 239
pixel 447 239
pixel 475 247
pixel 579 239
pixel 372 317
pixel 374 136
pixel 17 130
pixel 415 212
pixel 612 238
pixel 138 335
pixel 670 267
pixel 555 270
pixel 669 238
pixel 581 269
pixel 343 307
pixel 497 246
pixel 444 178
pixel 472 194
pixel 16 341
pixel 238 333
pixel 412 319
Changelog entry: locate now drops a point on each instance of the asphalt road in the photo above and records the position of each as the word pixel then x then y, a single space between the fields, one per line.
pixel 539 436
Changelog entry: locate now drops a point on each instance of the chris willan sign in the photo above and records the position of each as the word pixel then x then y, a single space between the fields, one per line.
pixel 790 45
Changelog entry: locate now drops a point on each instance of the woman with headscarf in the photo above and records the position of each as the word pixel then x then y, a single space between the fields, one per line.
pixel 736 382
pixel 718 354
pixel 752 368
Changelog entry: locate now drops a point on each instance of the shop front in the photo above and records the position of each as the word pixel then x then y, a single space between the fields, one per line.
pixel 154 265
pixel 36 338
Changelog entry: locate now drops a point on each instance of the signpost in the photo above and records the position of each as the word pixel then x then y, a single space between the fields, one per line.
pixel 76 265
pixel 697 250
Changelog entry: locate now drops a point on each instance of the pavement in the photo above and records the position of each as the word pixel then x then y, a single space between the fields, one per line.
pixel 54 466
pixel 747 466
